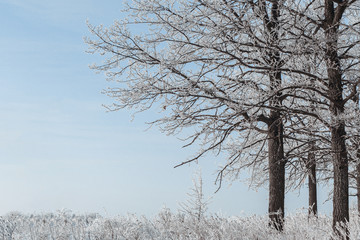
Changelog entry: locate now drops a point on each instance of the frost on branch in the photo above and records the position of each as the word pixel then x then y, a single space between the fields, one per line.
pixel 207 66
pixel 262 81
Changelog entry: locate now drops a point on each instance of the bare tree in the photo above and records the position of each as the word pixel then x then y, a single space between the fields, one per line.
pixel 354 153
pixel 237 73
pixel 334 41
pixel 196 206
pixel 312 181
pixel 212 65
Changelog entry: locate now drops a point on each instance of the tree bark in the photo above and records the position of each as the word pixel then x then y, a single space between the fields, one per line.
pixel 358 184
pixel 338 146
pixel 357 159
pixel 357 141
pixel 275 124
pixel 338 133
pixel 341 181
pixel 312 182
pixel 276 173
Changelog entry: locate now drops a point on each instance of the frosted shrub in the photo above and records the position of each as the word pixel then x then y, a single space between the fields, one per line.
pixel 165 225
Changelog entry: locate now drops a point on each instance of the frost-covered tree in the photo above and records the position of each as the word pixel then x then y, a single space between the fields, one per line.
pixel 354 153
pixel 196 206
pixel 215 66
pixel 334 33
pixel 237 73
pixel 211 65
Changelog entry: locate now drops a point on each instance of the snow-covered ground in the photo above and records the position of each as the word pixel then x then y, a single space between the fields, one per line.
pixel 64 225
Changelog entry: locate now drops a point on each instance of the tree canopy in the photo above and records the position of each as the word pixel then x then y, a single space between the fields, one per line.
pixel 264 81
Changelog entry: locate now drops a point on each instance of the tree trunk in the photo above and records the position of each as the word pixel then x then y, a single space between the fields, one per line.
pixel 341 181
pixel 312 182
pixel 358 185
pixel 338 134
pixel 357 142
pixel 275 124
pixel 276 174
pixel 338 147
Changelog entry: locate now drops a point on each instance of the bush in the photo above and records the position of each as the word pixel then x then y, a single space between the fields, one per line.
pixel 64 225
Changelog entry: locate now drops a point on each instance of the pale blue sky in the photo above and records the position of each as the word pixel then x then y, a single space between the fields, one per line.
pixel 58 146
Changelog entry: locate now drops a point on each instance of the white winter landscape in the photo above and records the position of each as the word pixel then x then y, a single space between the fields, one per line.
pixel 64 225
pixel 107 108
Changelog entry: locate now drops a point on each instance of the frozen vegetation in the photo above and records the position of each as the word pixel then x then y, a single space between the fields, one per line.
pixel 165 225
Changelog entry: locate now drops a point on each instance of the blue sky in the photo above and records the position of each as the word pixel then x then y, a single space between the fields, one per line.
pixel 59 148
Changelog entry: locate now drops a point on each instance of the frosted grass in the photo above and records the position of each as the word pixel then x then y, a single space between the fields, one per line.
pixel 64 225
